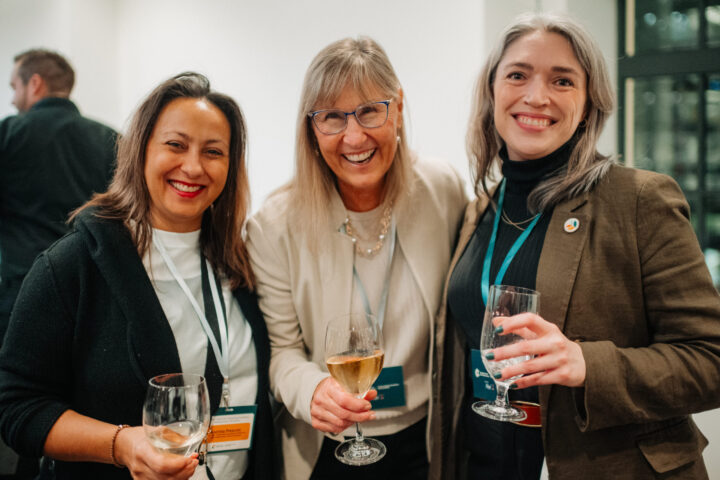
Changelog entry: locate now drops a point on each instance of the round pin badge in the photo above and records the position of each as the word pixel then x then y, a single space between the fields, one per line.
pixel 571 225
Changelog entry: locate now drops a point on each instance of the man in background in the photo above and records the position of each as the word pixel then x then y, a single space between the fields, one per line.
pixel 52 160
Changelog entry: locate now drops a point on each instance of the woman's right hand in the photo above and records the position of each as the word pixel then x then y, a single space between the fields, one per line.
pixel 133 450
pixel 333 409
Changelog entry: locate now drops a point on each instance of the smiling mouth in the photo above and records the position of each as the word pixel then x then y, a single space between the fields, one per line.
pixel 183 187
pixel 360 158
pixel 534 121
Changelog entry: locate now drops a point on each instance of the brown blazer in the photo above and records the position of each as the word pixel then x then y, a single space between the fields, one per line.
pixel 632 287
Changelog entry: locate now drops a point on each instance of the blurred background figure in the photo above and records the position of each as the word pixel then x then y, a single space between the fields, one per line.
pixel 52 160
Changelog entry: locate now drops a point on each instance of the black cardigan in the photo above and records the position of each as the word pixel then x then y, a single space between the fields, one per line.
pixel 87 332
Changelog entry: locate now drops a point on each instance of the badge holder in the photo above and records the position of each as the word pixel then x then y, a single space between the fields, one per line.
pixel 390 386
pixel 231 429
pixel 483 384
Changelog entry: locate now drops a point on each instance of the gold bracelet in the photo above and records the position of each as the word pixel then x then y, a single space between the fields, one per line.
pixel 112 446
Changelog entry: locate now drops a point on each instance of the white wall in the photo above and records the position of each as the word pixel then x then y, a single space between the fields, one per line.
pixel 257 51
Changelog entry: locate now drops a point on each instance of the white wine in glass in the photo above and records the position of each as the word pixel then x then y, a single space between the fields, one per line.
pixel 176 413
pixel 354 356
pixel 503 301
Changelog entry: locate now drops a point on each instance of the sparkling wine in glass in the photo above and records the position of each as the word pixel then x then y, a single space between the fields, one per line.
pixel 176 413
pixel 354 356
pixel 503 301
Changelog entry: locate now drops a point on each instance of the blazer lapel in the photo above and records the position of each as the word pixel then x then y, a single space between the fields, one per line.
pixel 151 343
pixel 560 259
pixel 412 238
pixel 336 265
pixel 558 267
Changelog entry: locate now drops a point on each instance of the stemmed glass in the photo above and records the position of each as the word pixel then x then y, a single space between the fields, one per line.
pixel 354 356
pixel 503 301
pixel 176 413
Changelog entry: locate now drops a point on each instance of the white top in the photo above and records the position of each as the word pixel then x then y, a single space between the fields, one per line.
pixel 406 329
pixel 190 338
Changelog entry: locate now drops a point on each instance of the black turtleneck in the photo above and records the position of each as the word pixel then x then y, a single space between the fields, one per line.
pixel 498 449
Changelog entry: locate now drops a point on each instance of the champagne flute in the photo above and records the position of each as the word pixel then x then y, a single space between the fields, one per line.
pixel 176 413
pixel 503 301
pixel 354 356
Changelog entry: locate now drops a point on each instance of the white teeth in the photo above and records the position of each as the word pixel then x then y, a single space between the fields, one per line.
pixel 185 188
pixel 359 157
pixel 536 122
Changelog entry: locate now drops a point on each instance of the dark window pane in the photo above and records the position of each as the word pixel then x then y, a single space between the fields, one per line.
pixel 712 245
pixel 666 127
pixel 712 16
pixel 666 24
pixel 712 151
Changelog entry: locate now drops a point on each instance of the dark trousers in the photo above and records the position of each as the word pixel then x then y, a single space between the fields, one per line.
pixel 406 458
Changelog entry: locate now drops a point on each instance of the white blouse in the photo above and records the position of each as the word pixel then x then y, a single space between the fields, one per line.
pixel 406 328
pixel 191 340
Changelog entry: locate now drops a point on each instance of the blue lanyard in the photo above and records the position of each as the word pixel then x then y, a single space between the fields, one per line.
pixel 386 286
pixel 491 247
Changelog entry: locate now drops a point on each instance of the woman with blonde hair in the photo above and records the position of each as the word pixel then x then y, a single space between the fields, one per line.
pixel 117 302
pixel 626 343
pixel 363 219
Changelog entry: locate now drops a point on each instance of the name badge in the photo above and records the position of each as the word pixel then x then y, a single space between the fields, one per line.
pixel 231 429
pixel 483 384
pixel 390 386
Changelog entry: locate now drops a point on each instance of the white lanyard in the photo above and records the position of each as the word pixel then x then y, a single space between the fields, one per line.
pixel 221 356
pixel 382 306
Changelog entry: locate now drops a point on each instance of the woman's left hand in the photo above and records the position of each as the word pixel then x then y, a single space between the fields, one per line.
pixel 557 360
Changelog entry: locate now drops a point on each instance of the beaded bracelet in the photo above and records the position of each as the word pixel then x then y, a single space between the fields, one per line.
pixel 112 446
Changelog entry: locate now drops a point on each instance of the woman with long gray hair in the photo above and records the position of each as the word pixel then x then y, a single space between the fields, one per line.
pixel 361 210
pixel 626 344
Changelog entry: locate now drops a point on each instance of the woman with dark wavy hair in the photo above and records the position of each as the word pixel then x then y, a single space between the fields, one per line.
pixel 627 341
pixel 116 302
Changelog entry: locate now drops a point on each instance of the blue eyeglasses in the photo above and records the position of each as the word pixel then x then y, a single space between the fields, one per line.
pixel 368 115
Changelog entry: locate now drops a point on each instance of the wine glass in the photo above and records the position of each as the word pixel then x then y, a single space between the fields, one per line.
pixel 354 356
pixel 503 301
pixel 176 413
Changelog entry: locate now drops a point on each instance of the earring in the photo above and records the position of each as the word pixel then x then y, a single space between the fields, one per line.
pixel 583 124
pixel 398 139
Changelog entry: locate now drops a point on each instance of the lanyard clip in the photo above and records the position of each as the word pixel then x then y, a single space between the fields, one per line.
pixel 202 450
pixel 226 394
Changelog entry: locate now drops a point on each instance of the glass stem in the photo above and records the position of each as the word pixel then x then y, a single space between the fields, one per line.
pixel 501 399
pixel 358 434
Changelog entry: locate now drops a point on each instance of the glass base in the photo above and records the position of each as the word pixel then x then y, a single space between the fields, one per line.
pixel 502 414
pixel 350 452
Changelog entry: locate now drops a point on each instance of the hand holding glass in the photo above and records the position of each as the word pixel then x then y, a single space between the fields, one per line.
pixel 176 413
pixel 503 301
pixel 354 356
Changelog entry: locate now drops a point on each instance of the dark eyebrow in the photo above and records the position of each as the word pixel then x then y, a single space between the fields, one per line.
pixel 186 137
pixel 557 69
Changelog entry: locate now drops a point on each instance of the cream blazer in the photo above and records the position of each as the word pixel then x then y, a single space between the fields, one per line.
pixel 300 291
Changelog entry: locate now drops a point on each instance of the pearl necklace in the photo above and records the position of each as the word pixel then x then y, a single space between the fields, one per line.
pixel 384 227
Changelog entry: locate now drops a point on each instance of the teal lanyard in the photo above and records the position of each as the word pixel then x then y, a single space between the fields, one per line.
pixel 491 247
pixel 386 286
